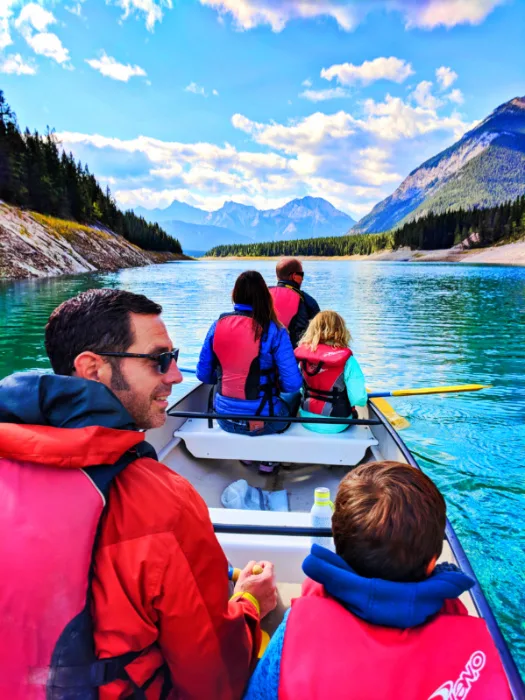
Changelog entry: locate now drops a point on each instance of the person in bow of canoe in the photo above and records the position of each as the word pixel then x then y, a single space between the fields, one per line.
pixel 247 354
pixel 333 381
pixel 377 618
pixel 293 306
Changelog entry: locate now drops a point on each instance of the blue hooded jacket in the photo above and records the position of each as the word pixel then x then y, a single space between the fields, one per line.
pixel 35 398
pixel 275 352
pixel 380 602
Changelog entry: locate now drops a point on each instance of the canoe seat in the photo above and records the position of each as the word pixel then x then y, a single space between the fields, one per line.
pixel 297 444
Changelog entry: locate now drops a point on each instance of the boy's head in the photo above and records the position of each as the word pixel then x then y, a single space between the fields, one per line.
pixel 389 521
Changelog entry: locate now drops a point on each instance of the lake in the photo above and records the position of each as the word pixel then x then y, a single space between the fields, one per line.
pixel 413 325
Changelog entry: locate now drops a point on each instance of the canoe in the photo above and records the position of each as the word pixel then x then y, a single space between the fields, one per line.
pixel 192 444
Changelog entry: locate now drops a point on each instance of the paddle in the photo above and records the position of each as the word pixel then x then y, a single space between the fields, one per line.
pixel 429 390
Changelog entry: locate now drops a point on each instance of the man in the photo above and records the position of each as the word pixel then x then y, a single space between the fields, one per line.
pixel 294 307
pixel 159 590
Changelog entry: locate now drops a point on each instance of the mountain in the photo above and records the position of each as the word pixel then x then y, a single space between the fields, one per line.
pixel 201 237
pixel 309 217
pixel 486 167
pixel 176 210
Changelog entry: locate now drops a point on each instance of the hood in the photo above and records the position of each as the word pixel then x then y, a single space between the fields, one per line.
pixel 62 421
pixel 385 603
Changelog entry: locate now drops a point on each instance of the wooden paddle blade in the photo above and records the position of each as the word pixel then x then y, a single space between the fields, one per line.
pixel 395 420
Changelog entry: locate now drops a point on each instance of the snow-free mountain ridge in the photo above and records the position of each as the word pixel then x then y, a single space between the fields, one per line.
pixel 486 167
pixel 309 217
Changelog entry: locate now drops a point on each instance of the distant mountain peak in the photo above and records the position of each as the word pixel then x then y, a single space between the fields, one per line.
pixel 484 168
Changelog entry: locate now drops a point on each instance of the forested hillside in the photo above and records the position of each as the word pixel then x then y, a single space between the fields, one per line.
pixel 36 174
pixel 505 222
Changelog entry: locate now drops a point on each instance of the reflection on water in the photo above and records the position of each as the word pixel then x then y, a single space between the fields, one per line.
pixel 413 325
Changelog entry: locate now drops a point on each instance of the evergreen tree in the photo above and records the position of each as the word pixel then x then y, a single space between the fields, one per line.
pixel 36 173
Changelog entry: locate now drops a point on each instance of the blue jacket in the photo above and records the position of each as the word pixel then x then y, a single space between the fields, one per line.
pixel 385 603
pixel 276 352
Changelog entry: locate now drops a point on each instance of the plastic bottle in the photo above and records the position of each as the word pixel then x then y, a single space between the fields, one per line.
pixel 321 516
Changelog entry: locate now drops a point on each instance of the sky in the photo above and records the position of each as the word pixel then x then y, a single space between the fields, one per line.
pixel 258 101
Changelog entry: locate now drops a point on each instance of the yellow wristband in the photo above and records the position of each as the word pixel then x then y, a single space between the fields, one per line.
pixel 250 597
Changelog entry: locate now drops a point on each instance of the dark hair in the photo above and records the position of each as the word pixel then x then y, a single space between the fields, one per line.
pixel 389 521
pixel 250 288
pixel 96 320
pixel 286 267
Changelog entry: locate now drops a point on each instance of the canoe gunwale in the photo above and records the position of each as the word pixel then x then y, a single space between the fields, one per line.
pixel 516 683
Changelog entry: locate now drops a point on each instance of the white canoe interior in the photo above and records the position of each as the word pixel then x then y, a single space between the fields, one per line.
pixel 210 459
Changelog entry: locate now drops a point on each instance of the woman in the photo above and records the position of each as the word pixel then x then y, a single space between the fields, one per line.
pixel 333 381
pixel 249 356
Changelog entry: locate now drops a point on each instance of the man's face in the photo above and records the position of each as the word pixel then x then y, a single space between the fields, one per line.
pixel 137 382
pixel 298 277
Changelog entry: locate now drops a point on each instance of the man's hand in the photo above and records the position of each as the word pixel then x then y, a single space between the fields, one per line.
pixel 262 586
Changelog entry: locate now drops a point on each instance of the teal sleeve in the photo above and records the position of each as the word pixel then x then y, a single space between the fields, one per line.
pixel 264 683
pixel 355 383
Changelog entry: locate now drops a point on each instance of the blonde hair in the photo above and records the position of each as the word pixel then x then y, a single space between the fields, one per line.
pixel 327 328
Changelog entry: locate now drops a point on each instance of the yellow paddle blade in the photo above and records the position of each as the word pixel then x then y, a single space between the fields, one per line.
pixel 440 389
pixel 395 420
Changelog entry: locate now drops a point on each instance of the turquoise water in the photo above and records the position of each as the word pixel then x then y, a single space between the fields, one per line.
pixel 413 325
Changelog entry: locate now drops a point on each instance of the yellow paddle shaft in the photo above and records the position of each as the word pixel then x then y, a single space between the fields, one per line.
pixel 440 389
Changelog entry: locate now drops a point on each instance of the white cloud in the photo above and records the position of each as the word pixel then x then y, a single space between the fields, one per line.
pixel 33 16
pixel 426 14
pixel 381 68
pixel 248 14
pixel 215 93
pixel 74 9
pixel 393 120
pixel 446 77
pixel 196 89
pixel 354 160
pixel 455 96
pixel 429 14
pixel 322 95
pixel 150 9
pixel 307 83
pixel 32 24
pixel 109 67
pixel 15 65
pixel 422 96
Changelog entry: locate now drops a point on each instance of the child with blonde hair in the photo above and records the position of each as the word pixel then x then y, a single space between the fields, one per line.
pixel 333 381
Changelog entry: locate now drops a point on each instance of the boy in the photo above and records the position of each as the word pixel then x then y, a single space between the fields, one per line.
pixel 378 619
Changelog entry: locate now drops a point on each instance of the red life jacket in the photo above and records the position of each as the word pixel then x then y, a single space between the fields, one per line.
pixel 237 353
pixel 324 382
pixel 51 516
pixel 329 653
pixel 286 301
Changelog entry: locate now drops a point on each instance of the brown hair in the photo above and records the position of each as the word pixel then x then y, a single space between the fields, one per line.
pixel 251 289
pixel 286 267
pixel 389 521
pixel 96 320
pixel 327 328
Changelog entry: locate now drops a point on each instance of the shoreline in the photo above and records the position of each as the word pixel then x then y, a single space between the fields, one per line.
pixel 506 254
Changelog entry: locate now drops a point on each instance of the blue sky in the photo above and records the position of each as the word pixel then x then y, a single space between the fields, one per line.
pixel 258 101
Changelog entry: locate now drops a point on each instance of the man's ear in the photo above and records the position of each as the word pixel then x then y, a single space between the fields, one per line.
pixel 89 365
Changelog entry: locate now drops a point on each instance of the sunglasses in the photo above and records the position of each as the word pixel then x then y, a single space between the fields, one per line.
pixel 301 274
pixel 163 360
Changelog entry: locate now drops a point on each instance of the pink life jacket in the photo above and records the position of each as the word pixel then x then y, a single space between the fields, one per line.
pixel 324 382
pixel 239 370
pixel 330 653
pixel 49 517
pixel 286 300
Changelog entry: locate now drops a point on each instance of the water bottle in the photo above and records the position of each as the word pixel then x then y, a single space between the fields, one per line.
pixel 321 516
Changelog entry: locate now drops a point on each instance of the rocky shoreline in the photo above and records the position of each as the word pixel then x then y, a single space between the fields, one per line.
pixel 33 246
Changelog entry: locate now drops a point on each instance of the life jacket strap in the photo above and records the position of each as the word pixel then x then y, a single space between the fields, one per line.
pixel 317 367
